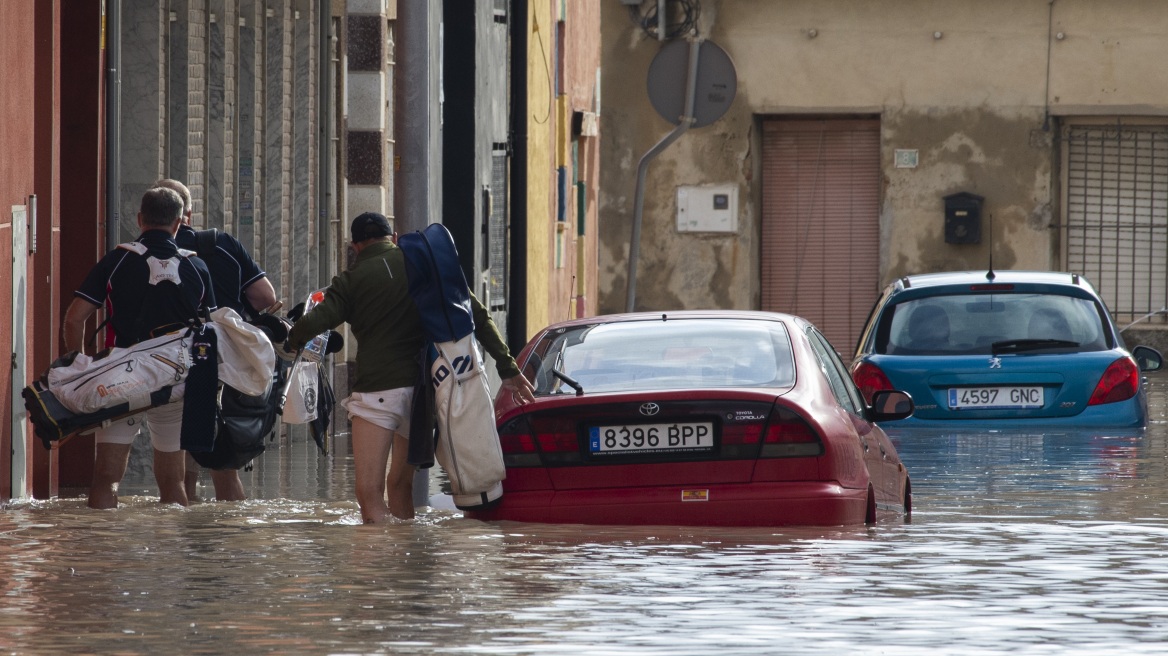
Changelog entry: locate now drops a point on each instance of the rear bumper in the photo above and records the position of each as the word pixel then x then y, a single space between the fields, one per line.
pixel 755 504
pixel 1132 413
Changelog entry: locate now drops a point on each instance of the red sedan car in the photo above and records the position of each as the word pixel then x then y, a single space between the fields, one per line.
pixel 695 418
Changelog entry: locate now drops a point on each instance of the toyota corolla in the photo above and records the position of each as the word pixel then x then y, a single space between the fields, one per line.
pixel 696 418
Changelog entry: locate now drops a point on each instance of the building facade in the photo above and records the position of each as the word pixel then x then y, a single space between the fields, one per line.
pixel 286 118
pixel 858 134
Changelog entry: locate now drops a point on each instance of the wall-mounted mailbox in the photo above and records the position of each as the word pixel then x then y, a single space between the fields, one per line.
pixel 963 218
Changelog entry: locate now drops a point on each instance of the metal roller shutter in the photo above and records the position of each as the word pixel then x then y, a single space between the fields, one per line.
pixel 1116 229
pixel 820 223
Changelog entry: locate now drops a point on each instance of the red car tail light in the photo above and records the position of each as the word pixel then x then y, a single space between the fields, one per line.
pixel 744 434
pixel 557 439
pixel 789 436
pixel 1120 382
pixel 870 379
pixel 518 445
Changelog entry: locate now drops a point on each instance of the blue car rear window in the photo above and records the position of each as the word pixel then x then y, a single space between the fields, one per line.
pixel 973 323
pixel 656 355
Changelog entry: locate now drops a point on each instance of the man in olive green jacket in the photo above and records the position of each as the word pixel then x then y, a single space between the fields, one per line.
pixel 373 297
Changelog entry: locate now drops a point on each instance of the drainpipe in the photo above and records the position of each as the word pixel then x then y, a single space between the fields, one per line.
pixel 517 254
pixel 414 204
pixel 113 117
pixel 687 119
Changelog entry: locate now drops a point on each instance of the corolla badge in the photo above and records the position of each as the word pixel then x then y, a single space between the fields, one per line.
pixel 650 409
pixel 995 363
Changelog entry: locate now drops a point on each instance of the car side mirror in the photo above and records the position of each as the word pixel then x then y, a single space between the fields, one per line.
pixel 890 405
pixel 1148 358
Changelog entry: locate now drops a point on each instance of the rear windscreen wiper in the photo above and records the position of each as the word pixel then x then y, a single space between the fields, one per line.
pixel 571 382
pixel 1020 345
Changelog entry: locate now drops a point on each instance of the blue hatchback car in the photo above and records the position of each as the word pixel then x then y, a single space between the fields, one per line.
pixel 982 347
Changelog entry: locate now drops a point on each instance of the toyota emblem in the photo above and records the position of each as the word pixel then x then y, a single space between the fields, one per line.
pixel 650 409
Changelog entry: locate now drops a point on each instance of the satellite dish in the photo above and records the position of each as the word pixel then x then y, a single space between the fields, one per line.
pixel 714 89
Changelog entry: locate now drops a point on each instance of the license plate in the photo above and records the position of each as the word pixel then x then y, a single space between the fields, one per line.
pixel 651 437
pixel 972 398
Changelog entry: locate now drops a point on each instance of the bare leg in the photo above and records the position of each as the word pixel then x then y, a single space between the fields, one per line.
pixel 228 487
pixel 370 456
pixel 400 481
pixel 108 469
pixel 191 479
pixel 170 472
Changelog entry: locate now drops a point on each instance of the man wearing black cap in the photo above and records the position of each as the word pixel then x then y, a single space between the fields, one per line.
pixel 373 297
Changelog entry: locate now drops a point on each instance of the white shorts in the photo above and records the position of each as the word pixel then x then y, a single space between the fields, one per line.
pixel 165 424
pixel 389 409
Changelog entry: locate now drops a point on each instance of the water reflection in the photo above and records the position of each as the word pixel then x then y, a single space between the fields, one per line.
pixel 1021 542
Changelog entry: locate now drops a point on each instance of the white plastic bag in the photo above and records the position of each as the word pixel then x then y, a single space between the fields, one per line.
pixel 300 405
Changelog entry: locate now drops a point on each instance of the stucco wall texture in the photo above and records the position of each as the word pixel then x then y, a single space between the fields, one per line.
pixel 969 84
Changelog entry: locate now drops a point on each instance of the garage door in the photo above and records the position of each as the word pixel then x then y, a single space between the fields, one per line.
pixel 1116 227
pixel 820 223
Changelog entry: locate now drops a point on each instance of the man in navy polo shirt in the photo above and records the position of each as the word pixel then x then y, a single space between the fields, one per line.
pixel 121 282
pixel 241 285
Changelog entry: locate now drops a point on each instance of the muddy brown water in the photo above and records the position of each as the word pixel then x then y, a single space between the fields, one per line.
pixel 1020 542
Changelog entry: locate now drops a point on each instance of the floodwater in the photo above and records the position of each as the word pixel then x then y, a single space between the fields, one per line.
pixel 1020 543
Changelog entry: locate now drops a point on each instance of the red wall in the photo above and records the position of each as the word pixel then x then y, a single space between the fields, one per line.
pixel 82 208
pixel 17 181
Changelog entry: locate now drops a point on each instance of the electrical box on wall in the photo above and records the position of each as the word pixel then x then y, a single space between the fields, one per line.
pixel 707 208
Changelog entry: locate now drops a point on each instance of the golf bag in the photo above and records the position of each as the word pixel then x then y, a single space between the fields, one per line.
pixel 467 444
pixel 79 392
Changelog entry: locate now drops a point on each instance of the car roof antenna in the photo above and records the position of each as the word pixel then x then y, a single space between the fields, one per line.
pixel 990 274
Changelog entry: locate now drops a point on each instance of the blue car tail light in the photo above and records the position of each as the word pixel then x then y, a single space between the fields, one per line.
pixel 1120 382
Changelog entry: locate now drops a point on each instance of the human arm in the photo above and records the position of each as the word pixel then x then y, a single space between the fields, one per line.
pixel 328 314
pixel 487 333
pixel 260 294
pixel 73 330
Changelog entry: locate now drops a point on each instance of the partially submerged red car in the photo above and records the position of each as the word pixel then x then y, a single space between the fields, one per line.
pixel 695 418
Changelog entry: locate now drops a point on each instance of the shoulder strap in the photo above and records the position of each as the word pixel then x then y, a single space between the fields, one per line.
pixel 134 247
pixel 205 243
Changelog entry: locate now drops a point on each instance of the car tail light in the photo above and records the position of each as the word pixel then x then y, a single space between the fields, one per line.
pixel 1120 382
pixel 518 444
pixel 742 434
pixel 557 439
pixel 870 379
pixel 789 436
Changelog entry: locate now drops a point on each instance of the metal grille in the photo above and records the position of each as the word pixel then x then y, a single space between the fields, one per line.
pixel 497 229
pixel 1116 230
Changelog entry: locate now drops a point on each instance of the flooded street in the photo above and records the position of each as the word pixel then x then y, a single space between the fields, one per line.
pixel 1021 543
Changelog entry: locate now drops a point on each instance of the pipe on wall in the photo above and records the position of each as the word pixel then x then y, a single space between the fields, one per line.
pixel 517 253
pixel 113 116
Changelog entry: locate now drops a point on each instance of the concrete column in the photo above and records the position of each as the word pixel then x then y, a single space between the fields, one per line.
pixel 142 121
pixel 367 165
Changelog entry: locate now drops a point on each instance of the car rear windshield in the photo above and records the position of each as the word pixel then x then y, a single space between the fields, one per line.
pixel 655 355
pixel 974 323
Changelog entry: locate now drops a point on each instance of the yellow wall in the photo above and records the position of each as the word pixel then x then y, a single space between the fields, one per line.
pixel 540 160
pixel 554 263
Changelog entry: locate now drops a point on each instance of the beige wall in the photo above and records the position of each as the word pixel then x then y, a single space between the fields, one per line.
pixel 972 102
